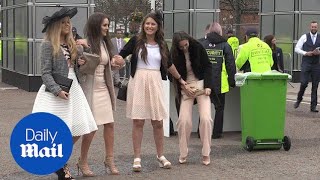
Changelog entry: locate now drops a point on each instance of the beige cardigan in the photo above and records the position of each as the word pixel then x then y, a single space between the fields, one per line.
pixel 87 82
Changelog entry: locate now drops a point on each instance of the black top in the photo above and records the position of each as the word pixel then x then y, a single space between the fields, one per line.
pixel 309 46
pixel 277 56
pixel 219 53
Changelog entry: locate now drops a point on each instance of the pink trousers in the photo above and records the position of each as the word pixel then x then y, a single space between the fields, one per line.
pixel 184 124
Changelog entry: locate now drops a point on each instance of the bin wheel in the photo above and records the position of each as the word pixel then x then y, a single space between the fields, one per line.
pixel 250 143
pixel 286 143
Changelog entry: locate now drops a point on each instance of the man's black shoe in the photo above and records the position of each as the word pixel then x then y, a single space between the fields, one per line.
pixel 216 136
pixel 296 104
pixel 314 110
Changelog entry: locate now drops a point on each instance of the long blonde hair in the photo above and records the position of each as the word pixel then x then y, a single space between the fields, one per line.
pixel 53 35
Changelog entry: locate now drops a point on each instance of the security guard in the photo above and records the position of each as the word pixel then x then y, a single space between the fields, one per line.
pixel 233 41
pixel 222 60
pixel 255 55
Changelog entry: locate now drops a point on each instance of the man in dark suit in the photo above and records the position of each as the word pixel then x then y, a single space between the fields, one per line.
pixel 118 44
pixel 310 65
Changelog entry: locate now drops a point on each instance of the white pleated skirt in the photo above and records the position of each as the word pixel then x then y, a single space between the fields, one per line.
pixel 75 111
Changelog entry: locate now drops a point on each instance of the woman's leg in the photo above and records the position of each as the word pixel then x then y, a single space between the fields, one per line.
pixel 137 133
pixel 158 135
pixel 83 159
pixel 205 127
pixel 184 126
pixel 75 139
pixel 108 135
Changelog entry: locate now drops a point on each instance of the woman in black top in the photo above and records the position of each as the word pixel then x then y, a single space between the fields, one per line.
pixel 276 53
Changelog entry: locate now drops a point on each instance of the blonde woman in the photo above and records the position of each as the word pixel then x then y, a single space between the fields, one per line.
pixel 59 56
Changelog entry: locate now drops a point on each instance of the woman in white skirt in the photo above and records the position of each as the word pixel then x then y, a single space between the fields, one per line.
pixel 145 96
pixel 58 56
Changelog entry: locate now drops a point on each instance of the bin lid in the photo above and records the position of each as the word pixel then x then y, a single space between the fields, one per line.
pixel 241 77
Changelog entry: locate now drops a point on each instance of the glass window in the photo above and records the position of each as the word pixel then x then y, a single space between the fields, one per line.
pixel 287 50
pixel 10 23
pixel 306 20
pixel 4 21
pixel 20 1
pixel 181 22
pixel 63 1
pixel 77 21
pixel 311 5
pixel 9 2
pixel 202 19
pixel 201 4
pixel 36 59
pixel 21 22
pixel 21 56
pixel 10 55
pixel 168 5
pixel 284 5
pixel 181 4
pixel 80 19
pixel 267 6
pixel 168 26
pixel 266 25
pixel 284 31
pixel 4 54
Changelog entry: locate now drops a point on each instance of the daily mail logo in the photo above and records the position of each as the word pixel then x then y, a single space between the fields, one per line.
pixel 32 150
pixel 41 143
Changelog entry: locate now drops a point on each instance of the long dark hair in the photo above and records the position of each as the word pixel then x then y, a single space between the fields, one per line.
pixel 268 40
pixel 176 38
pixel 159 38
pixel 92 32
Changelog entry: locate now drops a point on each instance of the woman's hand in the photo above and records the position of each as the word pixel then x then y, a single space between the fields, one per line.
pixel 188 90
pixel 63 95
pixel 117 62
pixel 81 61
pixel 207 91
pixel 82 42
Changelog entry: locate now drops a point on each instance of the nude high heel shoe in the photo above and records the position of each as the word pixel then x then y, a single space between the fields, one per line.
pixel 109 164
pixel 84 168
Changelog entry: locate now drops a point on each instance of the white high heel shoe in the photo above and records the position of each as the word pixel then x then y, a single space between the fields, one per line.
pixel 163 162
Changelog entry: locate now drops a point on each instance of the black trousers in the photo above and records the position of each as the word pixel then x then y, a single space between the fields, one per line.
pixel 309 70
pixel 219 101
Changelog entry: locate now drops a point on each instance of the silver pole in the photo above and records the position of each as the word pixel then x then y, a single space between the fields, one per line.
pixel 153 4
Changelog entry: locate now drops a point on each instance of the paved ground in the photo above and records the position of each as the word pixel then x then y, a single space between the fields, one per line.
pixel 229 160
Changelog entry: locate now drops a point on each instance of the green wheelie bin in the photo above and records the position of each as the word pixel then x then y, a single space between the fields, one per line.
pixel 263 110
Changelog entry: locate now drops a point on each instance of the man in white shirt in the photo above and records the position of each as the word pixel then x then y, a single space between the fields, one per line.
pixel 310 65
pixel 118 44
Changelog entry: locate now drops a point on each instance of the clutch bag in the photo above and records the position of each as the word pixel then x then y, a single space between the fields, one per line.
pixel 64 82
pixel 197 86
pixel 92 61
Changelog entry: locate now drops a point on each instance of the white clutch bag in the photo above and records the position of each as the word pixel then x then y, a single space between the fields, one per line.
pixel 197 86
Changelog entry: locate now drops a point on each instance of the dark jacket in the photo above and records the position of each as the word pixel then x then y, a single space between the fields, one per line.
pixel 200 64
pixel 277 60
pixel 130 48
pixel 220 53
